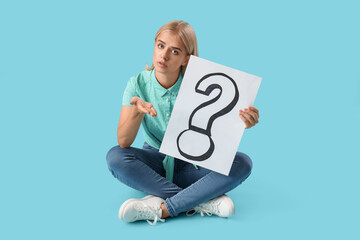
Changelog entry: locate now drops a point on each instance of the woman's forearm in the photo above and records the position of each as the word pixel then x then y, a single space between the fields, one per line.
pixel 129 124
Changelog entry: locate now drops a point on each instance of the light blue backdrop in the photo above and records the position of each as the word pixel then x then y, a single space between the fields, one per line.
pixel 64 66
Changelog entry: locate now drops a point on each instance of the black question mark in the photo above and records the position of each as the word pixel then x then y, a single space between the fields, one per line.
pixel 222 112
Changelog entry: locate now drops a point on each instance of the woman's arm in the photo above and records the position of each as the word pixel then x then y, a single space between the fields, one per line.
pixel 130 120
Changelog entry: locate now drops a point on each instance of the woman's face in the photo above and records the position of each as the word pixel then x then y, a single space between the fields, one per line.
pixel 169 54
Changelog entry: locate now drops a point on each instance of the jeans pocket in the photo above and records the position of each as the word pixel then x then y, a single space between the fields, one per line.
pixel 147 146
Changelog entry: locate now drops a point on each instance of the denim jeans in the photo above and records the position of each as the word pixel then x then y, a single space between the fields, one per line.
pixel 142 169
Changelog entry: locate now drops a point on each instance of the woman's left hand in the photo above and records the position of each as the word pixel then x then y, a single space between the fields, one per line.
pixel 250 116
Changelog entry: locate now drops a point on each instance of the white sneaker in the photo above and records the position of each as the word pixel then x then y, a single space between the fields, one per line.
pixel 222 206
pixel 147 208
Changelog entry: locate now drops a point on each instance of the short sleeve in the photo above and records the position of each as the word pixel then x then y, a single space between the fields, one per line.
pixel 130 91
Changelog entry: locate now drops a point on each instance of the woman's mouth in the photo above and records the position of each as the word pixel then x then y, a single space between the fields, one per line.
pixel 162 65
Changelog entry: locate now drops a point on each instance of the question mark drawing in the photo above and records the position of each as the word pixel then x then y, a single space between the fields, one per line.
pixel 207 131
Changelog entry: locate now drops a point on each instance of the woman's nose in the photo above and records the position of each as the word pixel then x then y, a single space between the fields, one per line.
pixel 165 55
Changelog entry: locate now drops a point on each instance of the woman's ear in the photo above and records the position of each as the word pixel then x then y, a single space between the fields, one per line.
pixel 186 60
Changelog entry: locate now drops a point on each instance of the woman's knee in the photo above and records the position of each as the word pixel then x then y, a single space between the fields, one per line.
pixel 242 165
pixel 115 156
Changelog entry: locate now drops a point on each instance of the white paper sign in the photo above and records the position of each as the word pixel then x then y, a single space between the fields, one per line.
pixel 205 128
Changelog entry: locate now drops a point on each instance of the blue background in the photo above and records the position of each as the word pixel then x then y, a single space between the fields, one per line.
pixel 64 66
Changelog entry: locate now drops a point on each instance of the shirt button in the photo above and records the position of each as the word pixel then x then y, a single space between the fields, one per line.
pixel 167 114
pixel 167 99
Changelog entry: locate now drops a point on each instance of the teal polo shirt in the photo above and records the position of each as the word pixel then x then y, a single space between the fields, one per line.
pixel 145 86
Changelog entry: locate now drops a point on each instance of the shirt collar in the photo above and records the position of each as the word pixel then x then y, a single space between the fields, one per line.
pixel 174 89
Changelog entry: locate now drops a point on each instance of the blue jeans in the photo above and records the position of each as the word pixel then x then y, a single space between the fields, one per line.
pixel 142 169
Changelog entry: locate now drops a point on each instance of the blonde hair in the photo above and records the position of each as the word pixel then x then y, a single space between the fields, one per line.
pixel 186 34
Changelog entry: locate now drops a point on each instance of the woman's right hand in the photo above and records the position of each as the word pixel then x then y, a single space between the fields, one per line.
pixel 142 106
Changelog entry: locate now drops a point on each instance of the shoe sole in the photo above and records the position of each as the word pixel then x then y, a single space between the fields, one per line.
pixel 127 202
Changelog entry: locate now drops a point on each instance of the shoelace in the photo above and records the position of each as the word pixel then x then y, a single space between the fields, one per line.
pixel 205 208
pixel 146 212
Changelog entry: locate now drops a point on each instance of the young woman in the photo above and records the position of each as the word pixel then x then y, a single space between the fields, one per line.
pixel 175 186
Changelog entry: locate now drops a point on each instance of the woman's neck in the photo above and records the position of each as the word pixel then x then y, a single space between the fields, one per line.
pixel 167 80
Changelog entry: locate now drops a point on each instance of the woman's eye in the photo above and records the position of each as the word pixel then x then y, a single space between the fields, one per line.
pixel 175 52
